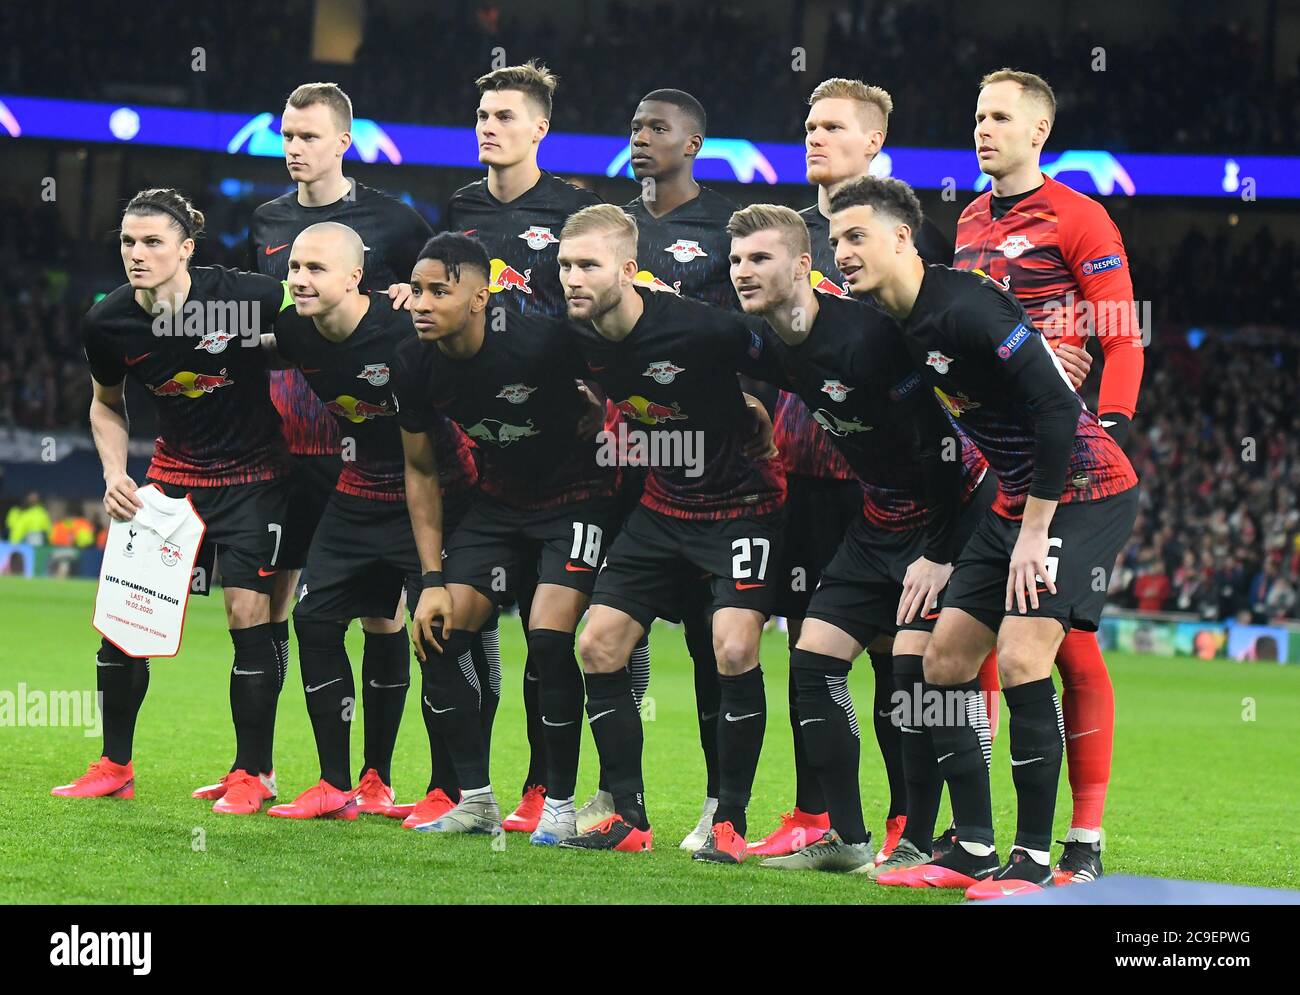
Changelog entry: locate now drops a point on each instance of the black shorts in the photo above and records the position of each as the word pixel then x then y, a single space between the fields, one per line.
pixel 861 586
pixel 245 531
pixel 655 559
pixel 1085 537
pixel 495 546
pixel 819 514
pixel 312 483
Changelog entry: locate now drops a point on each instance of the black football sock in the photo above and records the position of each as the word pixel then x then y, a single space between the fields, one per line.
pixel 485 651
pixel 808 794
pixel 1037 745
pixel 708 692
pixel 331 696
pixel 442 772
pixel 830 730
pixel 560 682
pixel 638 666
pixel 456 702
pixel 533 723
pixel 959 731
pixel 887 734
pixel 122 682
pixel 740 740
pixel 252 691
pixel 924 783
pixel 616 727
pixel 280 633
pixel 385 677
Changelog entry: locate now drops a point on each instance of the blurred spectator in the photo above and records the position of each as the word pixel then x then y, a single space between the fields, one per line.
pixel 1151 589
pixel 29 523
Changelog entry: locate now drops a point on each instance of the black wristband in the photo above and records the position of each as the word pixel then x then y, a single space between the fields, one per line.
pixel 430 578
pixel 1117 425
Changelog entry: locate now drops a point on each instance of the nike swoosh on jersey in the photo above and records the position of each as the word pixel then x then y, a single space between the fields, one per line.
pixel 747 587
pixel 131 362
pixel 578 570
pixel 263 572
pixel 272 251
pixel 945 757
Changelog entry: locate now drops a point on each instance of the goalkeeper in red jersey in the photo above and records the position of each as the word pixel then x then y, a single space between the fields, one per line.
pixel 1060 254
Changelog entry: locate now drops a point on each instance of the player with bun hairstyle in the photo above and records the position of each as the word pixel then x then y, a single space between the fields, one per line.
pixel 219 443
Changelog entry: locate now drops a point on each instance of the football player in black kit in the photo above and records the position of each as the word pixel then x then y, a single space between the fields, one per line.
pixel 342 340
pixel 316 126
pixel 516 211
pixel 844 131
pixel 681 245
pixel 1066 502
pixel 219 443
pixel 708 506
pixel 847 363
pixel 544 504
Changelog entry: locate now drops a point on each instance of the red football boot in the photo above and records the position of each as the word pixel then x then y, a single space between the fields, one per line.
pixel 524 819
pixel 958 868
pixel 373 796
pixel 893 833
pixel 244 794
pixel 211 792
pixel 797 830
pixel 430 808
pixel 613 834
pixel 321 801
pixel 724 845
pixel 103 779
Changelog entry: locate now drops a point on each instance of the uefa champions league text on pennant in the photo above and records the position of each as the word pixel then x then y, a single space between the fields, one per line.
pixel 144 584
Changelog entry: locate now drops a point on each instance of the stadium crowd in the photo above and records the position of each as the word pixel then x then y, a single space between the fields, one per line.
pixel 599 58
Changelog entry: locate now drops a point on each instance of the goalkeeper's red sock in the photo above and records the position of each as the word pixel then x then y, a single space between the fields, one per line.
pixel 992 688
pixel 1088 702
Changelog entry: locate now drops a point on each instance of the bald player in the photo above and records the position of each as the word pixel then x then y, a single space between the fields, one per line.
pixel 342 340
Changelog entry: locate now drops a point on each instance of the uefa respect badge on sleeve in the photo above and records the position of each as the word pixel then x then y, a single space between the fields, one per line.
pixel 144 583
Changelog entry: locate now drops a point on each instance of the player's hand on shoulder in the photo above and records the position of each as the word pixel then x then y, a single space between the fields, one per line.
pixel 1075 361
pixel 400 295
pixel 120 499
pixel 922 583
pixel 432 619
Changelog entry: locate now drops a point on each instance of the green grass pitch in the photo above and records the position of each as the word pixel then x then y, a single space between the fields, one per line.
pixel 1205 786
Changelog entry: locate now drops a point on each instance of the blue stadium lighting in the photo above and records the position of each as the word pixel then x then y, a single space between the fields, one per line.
pixel 728 160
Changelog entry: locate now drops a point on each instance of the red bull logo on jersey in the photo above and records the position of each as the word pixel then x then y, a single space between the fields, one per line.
pixel 538 237
pixel 187 384
pixel 375 374
pixel 645 278
pixel 215 342
pixel 684 250
pixel 506 277
pixel 937 361
pixel 1014 245
pixel 500 434
pixel 516 393
pixel 170 553
pixel 837 389
pixel 956 403
pixel 356 410
pixel 649 412
pixel 823 283
pixel 665 371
